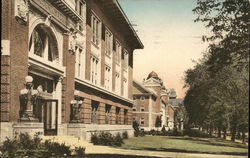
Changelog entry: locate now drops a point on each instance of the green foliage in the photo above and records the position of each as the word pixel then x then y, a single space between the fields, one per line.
pixel 118 141
pixel 228 21
pixel 80 151
pixel 135 125
pixel 195 133
pixel 57 149
pixel 140 133
pixel 158 121
pixel 218 84
pixel 106 138
pixel 23 145
pixel 125 135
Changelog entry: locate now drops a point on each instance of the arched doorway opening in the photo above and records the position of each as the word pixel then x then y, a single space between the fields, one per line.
pixel 43 57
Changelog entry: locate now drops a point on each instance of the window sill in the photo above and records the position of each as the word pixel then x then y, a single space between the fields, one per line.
pixel 108 55
pixel 46 64
pixel 94 44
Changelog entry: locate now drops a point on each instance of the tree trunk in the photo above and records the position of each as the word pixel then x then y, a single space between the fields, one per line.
pixel 225 133
pixel 243 137
pixel 233 133
pixel 211 131
pixel 219 132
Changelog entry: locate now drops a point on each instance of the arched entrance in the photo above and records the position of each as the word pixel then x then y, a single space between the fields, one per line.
pixel 44 60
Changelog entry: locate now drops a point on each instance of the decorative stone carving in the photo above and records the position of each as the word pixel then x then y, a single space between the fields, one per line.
pixel 21 10
pixel 76 108
pixel 48 20
pixel 29 98
pixel 72 40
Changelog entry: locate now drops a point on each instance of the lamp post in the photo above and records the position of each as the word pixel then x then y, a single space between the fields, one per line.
pixel 76 108
pixel 28 98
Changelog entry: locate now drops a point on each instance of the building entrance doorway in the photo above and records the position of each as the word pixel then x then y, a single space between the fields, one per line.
pixel 50 116
pixel 47 109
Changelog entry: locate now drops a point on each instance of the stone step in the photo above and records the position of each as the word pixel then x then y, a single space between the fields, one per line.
pixel 68 140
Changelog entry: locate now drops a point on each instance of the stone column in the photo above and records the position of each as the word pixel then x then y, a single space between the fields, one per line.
pixel 58 96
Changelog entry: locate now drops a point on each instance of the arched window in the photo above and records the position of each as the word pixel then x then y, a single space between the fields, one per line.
pixel 43 43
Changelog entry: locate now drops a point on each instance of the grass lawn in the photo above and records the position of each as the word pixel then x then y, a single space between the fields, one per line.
pixel 185 144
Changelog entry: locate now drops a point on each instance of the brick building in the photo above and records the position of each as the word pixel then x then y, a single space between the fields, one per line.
pixel 66 67
pixel 151 101
pixel 175 104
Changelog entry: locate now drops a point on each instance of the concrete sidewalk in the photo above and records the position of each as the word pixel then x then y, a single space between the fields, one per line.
pixel 97 149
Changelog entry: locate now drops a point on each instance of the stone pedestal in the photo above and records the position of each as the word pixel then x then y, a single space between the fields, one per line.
pixel 31 128
pixel 6 131
pixel 77 130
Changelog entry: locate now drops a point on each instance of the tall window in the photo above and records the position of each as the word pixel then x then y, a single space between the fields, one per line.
pixel 125 60
pixel 94 114
pixel 108 43
pixel 96 27
pixel 79 62
pixel 118 52
pixel 79 6
pixel 43 44
pixel 125 87
pixel 117 83
pixel 117 115
pixel 107 114
pixel 142 108
pixel 142 121
pixel 107 76
pixel 94 70
pixel 125 116
pixel 134 107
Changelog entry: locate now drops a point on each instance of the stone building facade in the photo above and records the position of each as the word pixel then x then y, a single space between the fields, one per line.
pixel 66 67
pixel 151 101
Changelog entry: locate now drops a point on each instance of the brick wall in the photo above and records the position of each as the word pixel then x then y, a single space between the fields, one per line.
pixel 140 102
pixel 5 88
pixel 106 21
pixel 19 61
pixel 69 80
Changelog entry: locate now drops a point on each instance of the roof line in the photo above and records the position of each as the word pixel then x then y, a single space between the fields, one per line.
pixel 130 25
pixel 146 89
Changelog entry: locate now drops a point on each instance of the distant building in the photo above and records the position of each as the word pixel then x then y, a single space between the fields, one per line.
pixel 150 102
pixel 176 103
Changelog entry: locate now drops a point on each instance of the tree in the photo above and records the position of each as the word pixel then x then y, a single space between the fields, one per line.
pixel 158 122
pixel 218 85
pixel 229 24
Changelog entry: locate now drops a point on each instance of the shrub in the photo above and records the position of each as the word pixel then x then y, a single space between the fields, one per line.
pixel 135 125
pixel 57 149
pixel 24 145
pixel 125 135
pixel 106 138
pixel 80 151
pixel 94 138
pixel 9 147
pixel 195 133
pixel 118 141
pixel 139 133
